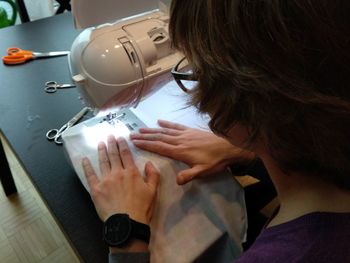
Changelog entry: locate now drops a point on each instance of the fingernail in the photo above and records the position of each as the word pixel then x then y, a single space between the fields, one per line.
pixel 101 145
pixel 121 140
pixel 136 143
pixel 85 161
pixel 110 138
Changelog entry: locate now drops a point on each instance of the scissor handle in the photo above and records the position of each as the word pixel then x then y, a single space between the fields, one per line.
pixel 56 135
pixel 52 134
pixel 51 86
pixel 58 139
pixel 16 59
pixel 18 51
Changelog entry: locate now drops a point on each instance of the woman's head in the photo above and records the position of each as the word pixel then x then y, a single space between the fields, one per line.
pixel 281 68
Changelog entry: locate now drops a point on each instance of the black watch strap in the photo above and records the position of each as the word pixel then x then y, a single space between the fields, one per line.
pixel 140 231
pixel 120 229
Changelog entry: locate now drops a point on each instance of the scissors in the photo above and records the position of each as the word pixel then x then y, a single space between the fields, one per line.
pixel 16 55
pixel 56 134
pixel 52 86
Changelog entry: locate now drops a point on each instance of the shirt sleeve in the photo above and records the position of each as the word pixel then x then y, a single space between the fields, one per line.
pixel 129 257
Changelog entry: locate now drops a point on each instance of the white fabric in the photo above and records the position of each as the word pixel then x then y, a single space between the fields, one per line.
pixel 187 219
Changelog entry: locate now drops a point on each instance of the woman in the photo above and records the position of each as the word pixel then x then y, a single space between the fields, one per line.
pixel 274 77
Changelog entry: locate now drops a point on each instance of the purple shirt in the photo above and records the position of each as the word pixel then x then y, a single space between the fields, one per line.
pixel 315 237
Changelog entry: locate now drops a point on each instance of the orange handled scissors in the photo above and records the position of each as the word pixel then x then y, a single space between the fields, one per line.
pixel 16 55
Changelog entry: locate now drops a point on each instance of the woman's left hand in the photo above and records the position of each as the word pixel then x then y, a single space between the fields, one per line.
pixel 121 188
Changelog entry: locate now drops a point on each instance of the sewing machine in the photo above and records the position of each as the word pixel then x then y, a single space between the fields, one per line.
pixel 119 63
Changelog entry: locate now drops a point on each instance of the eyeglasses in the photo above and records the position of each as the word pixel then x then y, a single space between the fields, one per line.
pixel 184 75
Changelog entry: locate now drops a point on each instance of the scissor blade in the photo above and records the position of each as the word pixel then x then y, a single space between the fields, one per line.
pixel 78 116
pixel 50 54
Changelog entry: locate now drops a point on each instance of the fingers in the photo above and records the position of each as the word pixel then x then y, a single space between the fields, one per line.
pixel 187 175
pixel 157 147
pixel 117 156
pixel 89 172
pixel 167 127
pixel 103 158
pixel 166 131
pixel 154 137
pixel 125 154
pixel 152 175
pixel 113 153
pixel 171 125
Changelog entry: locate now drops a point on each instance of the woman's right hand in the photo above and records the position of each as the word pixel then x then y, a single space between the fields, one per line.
pixel 204 152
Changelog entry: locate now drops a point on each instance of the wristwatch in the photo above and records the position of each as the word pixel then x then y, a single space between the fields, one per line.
pixel 119 229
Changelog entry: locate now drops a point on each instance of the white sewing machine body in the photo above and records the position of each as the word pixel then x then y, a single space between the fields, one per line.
pixel 118 64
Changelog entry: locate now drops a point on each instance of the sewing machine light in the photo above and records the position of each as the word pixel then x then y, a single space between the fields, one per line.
pixel 99 133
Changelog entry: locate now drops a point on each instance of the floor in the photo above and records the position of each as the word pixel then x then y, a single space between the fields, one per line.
pixel 28 232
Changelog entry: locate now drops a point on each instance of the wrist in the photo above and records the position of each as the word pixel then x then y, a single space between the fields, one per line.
pixel 134 245
pixel 140 218
pixel 135 216
pixel 121 231
pixel 240 156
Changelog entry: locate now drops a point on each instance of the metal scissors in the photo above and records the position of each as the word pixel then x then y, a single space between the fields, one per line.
pixel 56 134
pixel 52 86
pixel 16 55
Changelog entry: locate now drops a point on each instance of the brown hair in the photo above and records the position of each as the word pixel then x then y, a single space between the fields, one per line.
pixel 279 67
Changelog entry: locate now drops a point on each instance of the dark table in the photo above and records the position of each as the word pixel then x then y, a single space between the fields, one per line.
pixel 27 113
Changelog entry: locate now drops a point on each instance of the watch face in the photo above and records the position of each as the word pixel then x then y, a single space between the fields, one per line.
pixel 117 229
